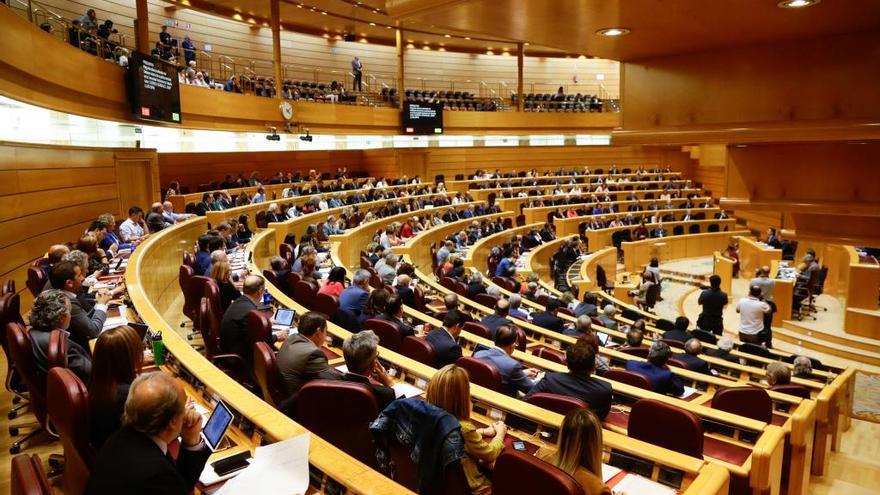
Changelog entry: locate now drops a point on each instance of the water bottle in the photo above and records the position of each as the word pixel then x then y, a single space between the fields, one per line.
pixel 158 349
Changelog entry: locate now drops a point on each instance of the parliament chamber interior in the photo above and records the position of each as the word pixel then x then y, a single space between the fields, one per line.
pixel 383 247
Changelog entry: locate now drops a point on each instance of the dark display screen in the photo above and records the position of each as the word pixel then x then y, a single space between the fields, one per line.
pixel 422 118
pixel 153 89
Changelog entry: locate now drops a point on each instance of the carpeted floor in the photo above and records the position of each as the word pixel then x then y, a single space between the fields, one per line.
pixel 866 402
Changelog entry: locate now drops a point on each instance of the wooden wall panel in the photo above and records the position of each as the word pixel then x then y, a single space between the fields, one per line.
pixel 49 194
pixel 192 169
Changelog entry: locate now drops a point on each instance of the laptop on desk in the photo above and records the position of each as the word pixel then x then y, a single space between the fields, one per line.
pixel 283 319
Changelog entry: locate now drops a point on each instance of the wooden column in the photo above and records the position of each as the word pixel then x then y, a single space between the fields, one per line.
pixel 142 27
pixel 275 19
pixel 519 76
pixel 399 44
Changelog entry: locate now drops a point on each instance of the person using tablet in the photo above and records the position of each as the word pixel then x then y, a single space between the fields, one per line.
pixel 134 460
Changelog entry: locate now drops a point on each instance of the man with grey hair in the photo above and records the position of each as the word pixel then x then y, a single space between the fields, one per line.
pixel 778 374
pixel 607 317
pixel 691 357
pixel 353 298
pixel 361 353
pixel 493 290
pixel 234 326
pixel 475 285
pixel 135 459
pixel 307 252
pixel 515 301
pixel 803 367
pixel 654 369
pixel 155 219
pixel 171 217
pixel 51 311
pixel 406 293
pixel 388 271
pixel 724 346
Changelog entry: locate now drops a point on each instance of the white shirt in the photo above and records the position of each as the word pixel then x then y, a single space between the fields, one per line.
pixel 751 313
pixel 258 198
pixel 130 231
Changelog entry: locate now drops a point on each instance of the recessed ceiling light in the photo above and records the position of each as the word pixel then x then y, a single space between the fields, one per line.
pixel 447 36
pixel 372 24
pixel 617 31
pixel 796 4
pixel 467 37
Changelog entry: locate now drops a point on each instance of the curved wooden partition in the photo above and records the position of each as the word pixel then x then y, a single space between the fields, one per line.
pixel 638 253
pixel 607 259
pixel 152 283
pixel 179 201
pixel 700 477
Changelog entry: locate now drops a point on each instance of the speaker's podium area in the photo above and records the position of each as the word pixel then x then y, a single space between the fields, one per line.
pixel 409 246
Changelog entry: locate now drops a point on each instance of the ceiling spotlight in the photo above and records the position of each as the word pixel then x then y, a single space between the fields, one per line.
pixel 467 37
pixel 372 24
pixel 447 36
pixel 612 32
pixel 796 4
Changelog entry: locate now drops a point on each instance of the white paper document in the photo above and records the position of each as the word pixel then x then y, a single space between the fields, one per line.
pixel 608 472
pixel 403 389
pixel 280 468
pixel 116 321
pixel 632 483
pixel 688 391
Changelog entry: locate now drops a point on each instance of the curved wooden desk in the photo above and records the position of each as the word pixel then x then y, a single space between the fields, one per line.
pixel 179 201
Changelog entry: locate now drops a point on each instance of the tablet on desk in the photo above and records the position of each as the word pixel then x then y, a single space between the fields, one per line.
pixel 603 338
pixel 283 317
pixel 218 423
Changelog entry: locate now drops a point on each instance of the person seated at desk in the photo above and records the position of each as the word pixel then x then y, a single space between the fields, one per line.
pixel 515 311
pixel 580 451
pixel 279 268
pixel 607 317
pixel 654 369
pixel 155 219
pixel 577 382
pixel 450 301
pixel 301 359
pixel 444 341
pixel 456 271
pixel 118 358
pixel 635 333
pixel 203 256
pixel 170 217
pixel 548 319
pixel 310 272
pixel 449 389
pixel 498 318
pixel 772 239
pixel 504 265
pixel 778 374
pixel 475 285
pixel 234 326
pixel 514 378
pixel 660 231
pixel 222 274
pixel 361 353
pixel 803 367
pixel 335 282
pixel 679 331
pixel 752 310
pixel 589 306
pixel 691 356
pixel 404 289
pixel 52 311
pixel 724 346
pixel 230 239
pixel 85 322
pixel 135 459
pixel 393 313
pixel 353 298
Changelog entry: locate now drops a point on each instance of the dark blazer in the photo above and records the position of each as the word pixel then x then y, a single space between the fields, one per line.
pixel 353 299
pixel 234 326
pixel 463 316
pixel 549 321
pixel 475 288
pixel 406 295
pixel 693 363
pixel 105 423
pixel 228 294
pixel 405 330
pixel 662 380
pixel 300 361
pixel 595 392
pixel 78 360
pixel 677 334
pixel 131 463
pixel 494 321
pixel 203 264
pixel 84 325
pixel 446 348
pixel 384 395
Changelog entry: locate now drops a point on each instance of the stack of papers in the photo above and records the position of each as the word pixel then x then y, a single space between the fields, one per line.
pixel 406 390
pixel 643 486
pixel 609 472
pixel 280 468
pixel 116 321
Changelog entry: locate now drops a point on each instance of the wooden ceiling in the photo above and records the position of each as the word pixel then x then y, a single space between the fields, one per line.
pixel 367 20
pixel 658 27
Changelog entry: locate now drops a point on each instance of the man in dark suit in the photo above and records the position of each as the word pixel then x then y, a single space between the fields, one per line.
pixel 548 319
pixel 451 303
pixel 654 369
pixel 514 378
pixel 234 326
pixel 691 356
pixel 407 295
pixel 361 353
pixel 445 341
pixel 679 331
pixel 135 459
pixel 495 320
pixel 354 297
pixel 713 301
pixel 581 360
pixel 84 325
pixel 203 256
pixel 301 358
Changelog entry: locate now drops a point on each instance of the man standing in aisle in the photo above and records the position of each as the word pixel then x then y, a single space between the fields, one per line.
pixel 357 69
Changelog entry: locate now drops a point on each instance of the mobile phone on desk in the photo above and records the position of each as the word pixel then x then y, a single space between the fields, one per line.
pixel 519 445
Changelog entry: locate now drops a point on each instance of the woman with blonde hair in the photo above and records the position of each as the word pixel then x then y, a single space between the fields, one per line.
pixel 580 451
pixel 118 358
pixel 221 273
pixel 449 389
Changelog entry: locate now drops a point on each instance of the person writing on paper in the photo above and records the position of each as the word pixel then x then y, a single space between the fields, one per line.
pixel 135 459
pixel 450 390
pixel 361 353
pixel 580 451
pixel 118 357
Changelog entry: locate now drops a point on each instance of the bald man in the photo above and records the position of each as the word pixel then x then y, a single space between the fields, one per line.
pixel 495 320
pixel 404 290
pixel 156 219
pixel 234 327
pixel 55 254
pixel 135 460
pixel 170 217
